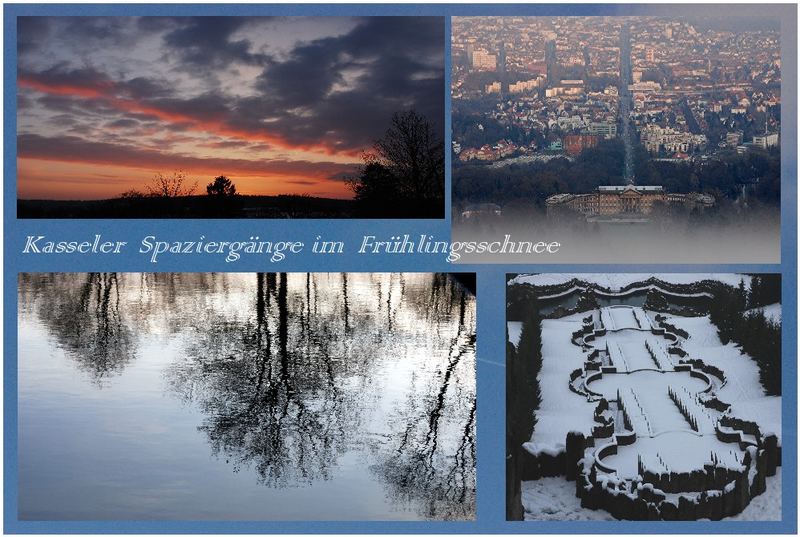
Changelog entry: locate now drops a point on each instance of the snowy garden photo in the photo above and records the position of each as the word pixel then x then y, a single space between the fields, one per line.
pixel 643 397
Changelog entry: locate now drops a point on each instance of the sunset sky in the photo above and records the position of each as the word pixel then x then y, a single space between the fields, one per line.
pixel 279 105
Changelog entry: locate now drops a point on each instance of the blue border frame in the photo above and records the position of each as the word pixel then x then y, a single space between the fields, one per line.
pixel 491 282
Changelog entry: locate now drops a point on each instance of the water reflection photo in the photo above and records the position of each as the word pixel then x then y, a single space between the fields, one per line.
pixel 233 396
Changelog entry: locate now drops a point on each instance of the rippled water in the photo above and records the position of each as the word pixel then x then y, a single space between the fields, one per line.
pixel 246 396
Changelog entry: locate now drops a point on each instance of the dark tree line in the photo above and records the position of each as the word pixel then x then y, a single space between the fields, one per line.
pixel 656 301
pixel 721 177
pixel 587 301
pixel 603 165
pixel 756 334
pixel 523 397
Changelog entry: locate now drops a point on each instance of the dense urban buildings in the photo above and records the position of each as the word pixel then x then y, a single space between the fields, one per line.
pixel 691 87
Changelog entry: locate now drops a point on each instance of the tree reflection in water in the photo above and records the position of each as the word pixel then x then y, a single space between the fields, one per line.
pixel 433 459
pixel 270 403
pixel 83 313
pixel 294 371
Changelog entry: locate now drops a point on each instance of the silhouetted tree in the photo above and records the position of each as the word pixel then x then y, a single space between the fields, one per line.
pixel 404 175
pixel 523 397
pixel 222 186
pixel 171 186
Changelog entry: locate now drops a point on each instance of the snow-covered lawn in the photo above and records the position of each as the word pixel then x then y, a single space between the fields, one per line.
pixel 743 388
pixel 514 332
pixel 561 410
pixel 553 498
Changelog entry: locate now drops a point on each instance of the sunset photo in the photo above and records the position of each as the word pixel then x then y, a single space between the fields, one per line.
pixel 230 116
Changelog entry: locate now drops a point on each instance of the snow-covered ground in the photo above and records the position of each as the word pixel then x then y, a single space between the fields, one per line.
pixel 561 410
pixel 771 312
pixel 743 389
pixel 615 282
pixel 553 498
pixel 514 332
pixel 665 441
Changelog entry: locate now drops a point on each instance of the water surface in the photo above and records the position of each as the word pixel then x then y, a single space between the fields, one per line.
pixel 246 396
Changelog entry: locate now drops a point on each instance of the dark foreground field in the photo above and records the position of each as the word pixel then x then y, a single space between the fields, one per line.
pixel 190 207
pixel 283 206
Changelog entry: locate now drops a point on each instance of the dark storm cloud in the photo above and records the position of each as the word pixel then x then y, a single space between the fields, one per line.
pixel 64 75
pixel 207 42
pixel 97 28
pixel 234 144
pixel 30 32
pixel 416 37
pixel 144 88
pixel 384 65
pixel 306 76
pixel 210 106
pixel 80 33
pixel 88 78
pixel 124 123
pixel 80 108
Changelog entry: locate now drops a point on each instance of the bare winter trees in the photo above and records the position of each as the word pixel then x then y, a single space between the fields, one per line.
pixel 404 175
pixel 175 185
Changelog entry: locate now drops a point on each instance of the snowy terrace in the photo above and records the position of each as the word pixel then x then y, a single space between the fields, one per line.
pixel 660 401
pixel 662 398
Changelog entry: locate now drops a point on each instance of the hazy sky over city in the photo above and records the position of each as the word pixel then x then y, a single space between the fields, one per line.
pixel 280 105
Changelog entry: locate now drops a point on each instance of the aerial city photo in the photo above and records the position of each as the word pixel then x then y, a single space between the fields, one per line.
pixel 230 117
pixel 643 397
pixel 626 138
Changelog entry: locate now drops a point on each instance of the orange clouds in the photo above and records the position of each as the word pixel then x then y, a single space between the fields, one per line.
pixel 108 92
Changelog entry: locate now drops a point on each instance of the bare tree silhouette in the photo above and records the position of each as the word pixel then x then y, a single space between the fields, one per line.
pixel 404 173
pixel 426 463
pixel 270 389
